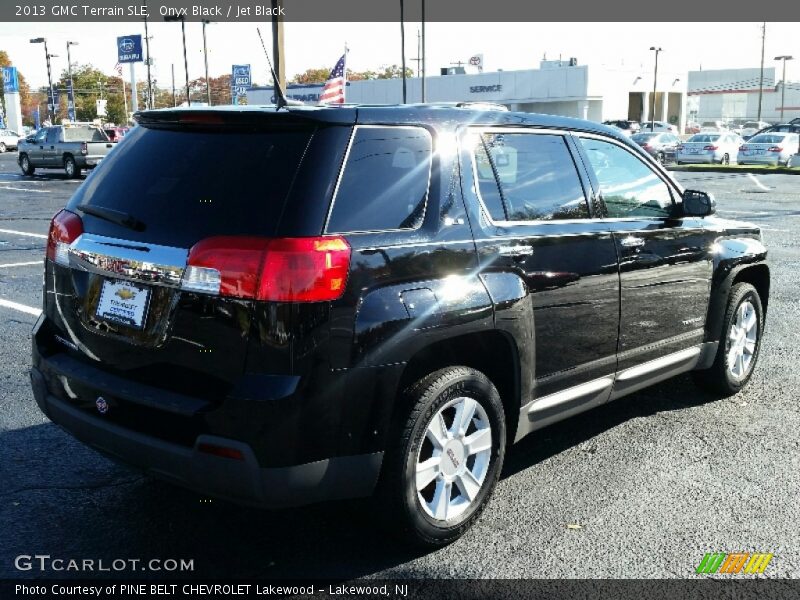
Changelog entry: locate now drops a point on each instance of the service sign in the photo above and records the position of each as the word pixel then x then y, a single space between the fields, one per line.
pixel 241 79
pixel 129 49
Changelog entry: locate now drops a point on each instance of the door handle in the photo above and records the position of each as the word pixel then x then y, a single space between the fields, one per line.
pixel 520 250
pixel 632 242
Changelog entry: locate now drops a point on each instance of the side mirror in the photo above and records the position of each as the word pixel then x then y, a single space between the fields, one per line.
pixel 698 204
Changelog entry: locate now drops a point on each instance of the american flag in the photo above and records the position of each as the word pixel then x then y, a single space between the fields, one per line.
pixel 333 92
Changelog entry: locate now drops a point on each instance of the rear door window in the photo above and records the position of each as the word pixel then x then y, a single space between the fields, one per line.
pixel 187 184
pixel 537 176
pixel 384 183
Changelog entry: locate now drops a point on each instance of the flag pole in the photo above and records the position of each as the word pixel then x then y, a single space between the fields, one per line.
pixel 344 76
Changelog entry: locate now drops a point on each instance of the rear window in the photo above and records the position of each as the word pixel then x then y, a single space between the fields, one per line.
pixel 185 185
pixel 384 185
pixel 643 137
pixel 703 138
pixel 751 125
pixel 84 134
pixel 766 138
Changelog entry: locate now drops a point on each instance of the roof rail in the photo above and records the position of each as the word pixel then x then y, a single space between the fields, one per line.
pixel 483 106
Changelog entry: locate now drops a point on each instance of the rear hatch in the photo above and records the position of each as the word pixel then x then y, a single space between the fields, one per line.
pixel 115 291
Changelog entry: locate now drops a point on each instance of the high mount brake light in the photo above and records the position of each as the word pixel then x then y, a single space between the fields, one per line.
pixel 64 229
pixel 278 269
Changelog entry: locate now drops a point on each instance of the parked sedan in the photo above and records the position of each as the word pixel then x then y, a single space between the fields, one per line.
pixel 751 128
pixel 709 148
pixel 8 140
pixel 769 149
pixel 660 126
pixel 661 146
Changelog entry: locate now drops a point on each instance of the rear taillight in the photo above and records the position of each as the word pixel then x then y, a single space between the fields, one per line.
pixel 84 148
pixel 64 229
pixel 681 147
pixel 709 147
pixel 280 269
pixel 742 147
pixel 775 149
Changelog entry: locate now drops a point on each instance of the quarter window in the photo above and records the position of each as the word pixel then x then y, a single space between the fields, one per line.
pixel 384 185
pixel 628 186
pixel 529 177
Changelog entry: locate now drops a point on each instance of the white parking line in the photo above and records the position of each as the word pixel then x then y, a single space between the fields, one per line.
pixel 18 189
pixel 22 264
pixel 755 180
pixel 20 307
pixel 27 233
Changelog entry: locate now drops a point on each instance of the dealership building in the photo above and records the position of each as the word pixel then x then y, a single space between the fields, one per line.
pixel 558 87
pixel 734 94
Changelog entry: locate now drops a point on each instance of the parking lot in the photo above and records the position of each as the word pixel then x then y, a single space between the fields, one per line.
pixel 641 488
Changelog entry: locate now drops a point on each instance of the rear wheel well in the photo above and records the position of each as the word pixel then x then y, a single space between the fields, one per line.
pixel 493 353
pixel 758 277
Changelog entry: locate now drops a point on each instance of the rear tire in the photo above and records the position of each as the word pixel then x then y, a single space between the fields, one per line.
pixel 726 160
pixel 661 158
pixel 739 344
pixel 445 459
pixel 71 169
pixel 2 147
pixel 25 165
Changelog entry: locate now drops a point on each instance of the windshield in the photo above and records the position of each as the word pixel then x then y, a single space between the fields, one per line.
pixel 186 185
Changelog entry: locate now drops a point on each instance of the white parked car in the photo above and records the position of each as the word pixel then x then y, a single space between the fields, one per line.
pixel 751 128
pixel 659 126
pixel 709 148
pixel 769 149
pixel 8 140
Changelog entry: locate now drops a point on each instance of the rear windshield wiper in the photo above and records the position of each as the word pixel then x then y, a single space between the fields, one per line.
pixel 114 216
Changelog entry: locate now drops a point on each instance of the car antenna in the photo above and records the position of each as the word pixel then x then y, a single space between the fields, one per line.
pixel 280 96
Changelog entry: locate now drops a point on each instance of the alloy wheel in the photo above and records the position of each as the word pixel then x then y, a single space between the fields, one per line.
pixel 453 459
pixel 743 337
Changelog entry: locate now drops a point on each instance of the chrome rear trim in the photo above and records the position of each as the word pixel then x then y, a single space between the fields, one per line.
pixel 124 259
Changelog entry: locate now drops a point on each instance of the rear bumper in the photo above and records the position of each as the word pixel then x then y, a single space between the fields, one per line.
pixel 88 162
pixel 243 481
pixel 756 160
pixel 696 159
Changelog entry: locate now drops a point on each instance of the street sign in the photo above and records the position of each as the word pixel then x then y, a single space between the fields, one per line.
pixel 241 80
pixel 129 49
pixel 101 107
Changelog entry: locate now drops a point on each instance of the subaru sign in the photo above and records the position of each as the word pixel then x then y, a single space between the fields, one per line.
pixel 241 80
pixel 10 80
pixel 129 49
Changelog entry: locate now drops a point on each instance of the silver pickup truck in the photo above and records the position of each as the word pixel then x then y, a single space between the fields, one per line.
pixel 69 147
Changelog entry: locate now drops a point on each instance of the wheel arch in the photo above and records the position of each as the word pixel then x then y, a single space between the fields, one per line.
pixel 494 353
pixel 757 274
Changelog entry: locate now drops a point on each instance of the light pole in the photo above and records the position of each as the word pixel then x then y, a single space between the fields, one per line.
pixel 655 87
pixel 185 61
pixel 205 57
pixel 147 51
pixel 403 45
pixel 761 76
pixel 71 110
pixel 423 50
pixel 784 58
pixel 52 100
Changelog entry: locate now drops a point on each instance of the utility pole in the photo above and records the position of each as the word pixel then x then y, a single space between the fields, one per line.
pixel 761 78
pixel 403 45
pixel 147 51
pixel 784 58
pixel 182 19
pixel 205 57
pixel 423 50
pixel 278 58
pixel 655 87
pixel 418 58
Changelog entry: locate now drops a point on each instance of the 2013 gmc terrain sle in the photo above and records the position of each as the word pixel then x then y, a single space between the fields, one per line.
pixel 285 306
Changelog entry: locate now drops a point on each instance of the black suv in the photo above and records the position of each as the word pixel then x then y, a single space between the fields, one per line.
pixel 282 307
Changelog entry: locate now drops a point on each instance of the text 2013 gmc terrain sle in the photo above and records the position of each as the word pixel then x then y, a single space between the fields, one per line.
pixel 285 306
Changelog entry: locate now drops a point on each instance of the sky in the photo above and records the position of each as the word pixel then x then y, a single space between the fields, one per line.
pixel 507 46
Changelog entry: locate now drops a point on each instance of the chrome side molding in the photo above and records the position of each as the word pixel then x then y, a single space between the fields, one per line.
pixel 124 259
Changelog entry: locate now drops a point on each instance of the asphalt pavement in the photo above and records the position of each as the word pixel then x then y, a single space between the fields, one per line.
pixel 640 488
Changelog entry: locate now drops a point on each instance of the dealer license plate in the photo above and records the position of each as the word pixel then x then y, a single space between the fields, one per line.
pixel 123 302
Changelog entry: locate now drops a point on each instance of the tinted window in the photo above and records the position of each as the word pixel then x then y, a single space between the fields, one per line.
pixel 644 137
pixel 185 185
pixel 767 139
pixel 84 134
pixel 40 136
pixel 52 135
pixel 537 176
pixel 703 137
pixel 628 186
pixel 384 185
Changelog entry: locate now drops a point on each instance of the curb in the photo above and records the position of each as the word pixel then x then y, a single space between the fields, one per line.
pixel 725 169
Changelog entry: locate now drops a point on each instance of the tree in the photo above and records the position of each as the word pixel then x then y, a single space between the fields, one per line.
pixel 220 89
pixel 90 84
pixel 27 99
pixel 320 75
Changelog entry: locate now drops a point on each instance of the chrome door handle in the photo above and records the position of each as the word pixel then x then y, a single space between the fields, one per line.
pixel 632 242
pixel 520 250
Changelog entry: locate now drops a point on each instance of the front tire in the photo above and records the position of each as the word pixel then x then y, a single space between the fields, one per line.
pixel 25 165
pixel 739 344
pixel 446 457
